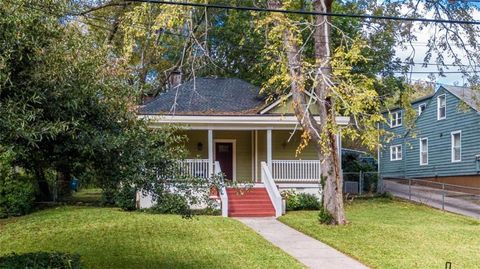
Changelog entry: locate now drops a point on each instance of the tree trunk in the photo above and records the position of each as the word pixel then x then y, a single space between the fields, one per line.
pixel 45 194
pixel 320 133
pixel 330 163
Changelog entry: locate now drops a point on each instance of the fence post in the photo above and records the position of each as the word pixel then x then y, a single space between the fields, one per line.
pixel 409 189
pixel 360 183
pixel 443 196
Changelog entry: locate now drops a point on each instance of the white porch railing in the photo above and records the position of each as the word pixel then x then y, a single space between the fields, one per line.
pixel 296 170
pixel 194 167
pixel 272 190
pixel 222 191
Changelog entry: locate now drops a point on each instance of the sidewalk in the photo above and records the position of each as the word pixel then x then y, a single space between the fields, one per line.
pixel 310 252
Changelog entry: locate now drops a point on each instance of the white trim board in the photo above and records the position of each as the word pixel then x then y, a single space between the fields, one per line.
pixel 252 122
pixel 234 153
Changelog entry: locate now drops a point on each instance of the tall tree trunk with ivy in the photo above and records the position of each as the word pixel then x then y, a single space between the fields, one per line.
pixel 321 132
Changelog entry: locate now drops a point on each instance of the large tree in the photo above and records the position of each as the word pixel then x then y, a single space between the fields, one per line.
pixel 67 107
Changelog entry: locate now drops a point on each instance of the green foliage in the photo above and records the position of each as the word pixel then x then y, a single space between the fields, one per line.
pixel 300 201
pixel 324 216
pixel 68 106
pixel 172 203
pixel 17 192
pixel 40 260
pixel 125 198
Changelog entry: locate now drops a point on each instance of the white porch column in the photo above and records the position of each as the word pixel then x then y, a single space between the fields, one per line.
pixel 210 152
pixel 339 149
pixel 269 149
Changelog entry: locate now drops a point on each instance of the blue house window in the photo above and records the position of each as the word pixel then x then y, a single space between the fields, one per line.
pixel 456 146
pixel 396 119
pixel 421 108
pixel 423 151
pixel 396 153
pixel 441 107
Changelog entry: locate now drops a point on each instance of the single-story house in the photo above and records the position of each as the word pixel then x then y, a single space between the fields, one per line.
pixel 443 145
pixel 231 129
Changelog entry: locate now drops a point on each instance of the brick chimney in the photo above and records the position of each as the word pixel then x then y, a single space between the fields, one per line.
pixel 175 79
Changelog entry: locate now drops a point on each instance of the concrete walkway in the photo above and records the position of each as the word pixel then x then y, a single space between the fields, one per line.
pixel 310 252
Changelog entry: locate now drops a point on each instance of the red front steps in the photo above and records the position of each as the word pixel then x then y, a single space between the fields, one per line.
pixel 253 202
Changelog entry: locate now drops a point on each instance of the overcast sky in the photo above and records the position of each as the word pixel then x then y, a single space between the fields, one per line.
pixel 420 50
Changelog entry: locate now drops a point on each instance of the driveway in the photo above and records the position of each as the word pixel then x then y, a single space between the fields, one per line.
pixel 456 202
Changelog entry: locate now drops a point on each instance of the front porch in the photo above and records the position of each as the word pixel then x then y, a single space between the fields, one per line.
pixel 240 153
pixel 267 159
pixel 256 149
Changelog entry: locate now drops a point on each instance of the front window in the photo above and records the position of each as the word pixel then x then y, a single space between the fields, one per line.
pixel 396 119
pixel 456 146
pixel 442 107
pixel 396 153
pixel 423 151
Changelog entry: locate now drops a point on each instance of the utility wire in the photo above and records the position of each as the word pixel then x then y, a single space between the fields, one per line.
pixel 303 12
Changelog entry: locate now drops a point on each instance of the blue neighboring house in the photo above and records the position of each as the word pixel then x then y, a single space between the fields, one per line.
pixel 443 146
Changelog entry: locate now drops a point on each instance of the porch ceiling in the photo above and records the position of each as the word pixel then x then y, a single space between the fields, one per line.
pixel 253 122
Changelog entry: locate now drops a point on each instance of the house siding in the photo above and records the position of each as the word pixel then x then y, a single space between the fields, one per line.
pixel 438 132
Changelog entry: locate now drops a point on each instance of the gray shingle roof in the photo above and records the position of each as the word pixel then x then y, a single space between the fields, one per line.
pixel 207 96
pixel 469 96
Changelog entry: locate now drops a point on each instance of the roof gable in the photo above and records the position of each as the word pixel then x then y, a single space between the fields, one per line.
pixel 284 105
pixel 467 95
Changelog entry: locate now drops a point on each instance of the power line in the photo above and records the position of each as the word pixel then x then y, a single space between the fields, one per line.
pixel 303 12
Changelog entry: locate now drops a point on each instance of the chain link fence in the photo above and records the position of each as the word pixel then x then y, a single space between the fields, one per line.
pixel 455 198
pixel 360 182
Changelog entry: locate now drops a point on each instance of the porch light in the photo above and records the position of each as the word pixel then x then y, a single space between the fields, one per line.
pixel 199 146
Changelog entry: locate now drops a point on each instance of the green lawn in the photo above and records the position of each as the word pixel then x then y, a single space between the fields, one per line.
pixel 387 233
pixel 109 238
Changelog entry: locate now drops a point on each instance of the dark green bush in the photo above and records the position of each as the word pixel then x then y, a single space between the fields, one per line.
pixel 125 198
pixel 40 260
pixel 308 202
pixel 325 217
pixel 17 192
pixel 171 203
pixel 301 201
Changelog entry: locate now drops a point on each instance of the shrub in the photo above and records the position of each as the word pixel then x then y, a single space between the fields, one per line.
pixel 301 201
pixel 17 192
pixel 324 216
pixel 40 260
pixel 125 198
pixel 308 201
pixel 172 203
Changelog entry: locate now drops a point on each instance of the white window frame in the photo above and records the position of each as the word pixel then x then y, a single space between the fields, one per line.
pixel 424 105
pixel 398 149
pixel 392 117
pixel 421 149
pixel 438 107
pixel 453 148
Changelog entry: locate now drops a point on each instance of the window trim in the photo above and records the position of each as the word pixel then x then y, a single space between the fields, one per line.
pixel 396 152
pixel 420 150
pixel 419 106
pixel 398 112
pixel 452 146
pixel 438 107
